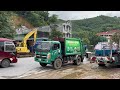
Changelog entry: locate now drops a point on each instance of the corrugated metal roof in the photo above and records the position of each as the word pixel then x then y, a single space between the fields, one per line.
pixel 44 29
pixel 108 32
pixel 5 39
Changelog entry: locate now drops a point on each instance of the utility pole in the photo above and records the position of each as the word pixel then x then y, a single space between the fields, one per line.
pixel 110 48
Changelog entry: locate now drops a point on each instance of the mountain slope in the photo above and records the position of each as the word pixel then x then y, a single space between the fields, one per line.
pixel 97 24
pixel 18 21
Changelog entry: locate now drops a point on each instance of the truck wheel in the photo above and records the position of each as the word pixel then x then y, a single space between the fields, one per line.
pixel 5 63
pixel 43 64
pixel 57 63
pixel 101 65
pixel 86 55
pixel 78 61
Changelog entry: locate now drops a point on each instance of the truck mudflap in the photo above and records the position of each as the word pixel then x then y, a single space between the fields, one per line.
pixel 99 59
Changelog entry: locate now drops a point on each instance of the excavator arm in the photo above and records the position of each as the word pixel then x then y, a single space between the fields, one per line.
pixel 22 48
pixel 28 36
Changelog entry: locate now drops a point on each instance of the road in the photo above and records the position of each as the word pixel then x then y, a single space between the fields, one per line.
pixel 24 67
pixel 21 67
pixel 27 68
pixel 84 71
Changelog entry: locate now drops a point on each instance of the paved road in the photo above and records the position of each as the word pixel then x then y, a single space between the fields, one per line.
pixel 24 66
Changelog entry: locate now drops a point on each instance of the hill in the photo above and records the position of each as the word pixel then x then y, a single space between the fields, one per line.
pixel 87 28
pixel 18 21
pixel 10 20
pixel 97 24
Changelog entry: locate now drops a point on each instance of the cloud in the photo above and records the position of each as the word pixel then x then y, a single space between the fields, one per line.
pixel 74 15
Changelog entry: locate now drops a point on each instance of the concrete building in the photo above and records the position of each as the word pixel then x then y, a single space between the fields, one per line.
pixel 65 28
pixel 108 34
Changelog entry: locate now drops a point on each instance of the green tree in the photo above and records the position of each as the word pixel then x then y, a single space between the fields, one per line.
pixel 53 19
pixel 94 39
pixel 55 33
pixel 86 41
pixel 36 18
pixel 116 38
pixel 6 30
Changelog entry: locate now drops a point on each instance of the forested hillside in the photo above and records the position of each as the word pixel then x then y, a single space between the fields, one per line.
pixel 87 28
pixel 10 20
pixel 98 24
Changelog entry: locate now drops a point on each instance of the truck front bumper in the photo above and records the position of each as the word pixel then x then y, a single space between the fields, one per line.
pixel 42 60
pixel 100 60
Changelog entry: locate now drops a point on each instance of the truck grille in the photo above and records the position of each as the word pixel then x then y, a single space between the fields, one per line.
pixel 41 56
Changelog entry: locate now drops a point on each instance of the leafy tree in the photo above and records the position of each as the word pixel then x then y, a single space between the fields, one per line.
pixel 116 38
pixel 55 33
pixel 6 30
pixel 53 19
pixel 86 41
pixel 36 18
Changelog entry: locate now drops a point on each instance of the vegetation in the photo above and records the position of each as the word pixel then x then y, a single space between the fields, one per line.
pixel 6 30
pixel 116 38
pixel 88 28
pixel 38 18
pixel 10 20
pixel 55 32
pixel 85 29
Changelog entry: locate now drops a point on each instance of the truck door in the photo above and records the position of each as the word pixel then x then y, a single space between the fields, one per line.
pixel 56 51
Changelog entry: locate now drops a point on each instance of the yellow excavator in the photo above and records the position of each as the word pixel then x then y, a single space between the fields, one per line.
pixel 22 47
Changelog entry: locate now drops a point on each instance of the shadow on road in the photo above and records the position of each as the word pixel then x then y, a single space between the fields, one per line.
pixel 9 66
pixel 64 67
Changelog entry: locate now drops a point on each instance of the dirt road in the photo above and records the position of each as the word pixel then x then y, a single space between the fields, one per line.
pixel 84 71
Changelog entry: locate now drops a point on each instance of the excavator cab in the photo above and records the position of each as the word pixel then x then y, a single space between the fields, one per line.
pixel 22 49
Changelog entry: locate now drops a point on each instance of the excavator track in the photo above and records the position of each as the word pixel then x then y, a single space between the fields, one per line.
pixel 25 55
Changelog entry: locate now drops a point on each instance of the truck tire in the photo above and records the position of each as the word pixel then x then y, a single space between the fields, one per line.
pixel 86 55
pixel 101 65
pixel 78 61
pixel 5 63
pixel 82 58
pixel 43 64
pixel 57 63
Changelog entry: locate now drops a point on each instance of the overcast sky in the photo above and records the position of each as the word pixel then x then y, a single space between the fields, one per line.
pixel 74 15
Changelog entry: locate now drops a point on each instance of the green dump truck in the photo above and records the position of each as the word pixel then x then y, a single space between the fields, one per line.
pixel 60 51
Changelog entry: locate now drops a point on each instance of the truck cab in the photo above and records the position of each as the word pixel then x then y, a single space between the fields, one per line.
pixel 47 52
pixel 7 52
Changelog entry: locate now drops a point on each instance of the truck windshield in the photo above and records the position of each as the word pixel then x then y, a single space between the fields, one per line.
pixel 44 46
pixel 9 47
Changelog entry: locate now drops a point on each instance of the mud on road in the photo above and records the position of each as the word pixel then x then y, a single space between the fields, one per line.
pixel 84 71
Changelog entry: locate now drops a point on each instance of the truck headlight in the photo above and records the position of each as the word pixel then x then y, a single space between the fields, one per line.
pixel 48 56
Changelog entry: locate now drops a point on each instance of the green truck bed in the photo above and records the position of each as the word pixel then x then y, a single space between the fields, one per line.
pixel 71 46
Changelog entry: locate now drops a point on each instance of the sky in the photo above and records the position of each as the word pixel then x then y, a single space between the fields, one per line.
pixel 76 15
